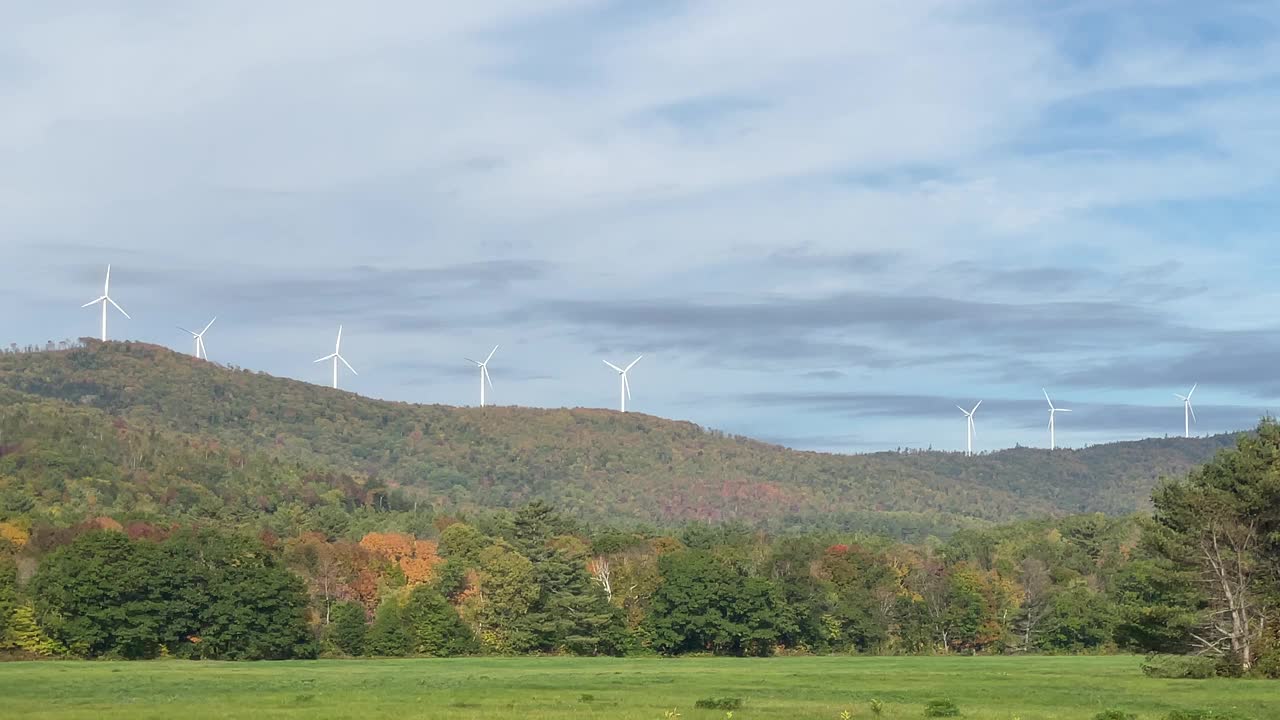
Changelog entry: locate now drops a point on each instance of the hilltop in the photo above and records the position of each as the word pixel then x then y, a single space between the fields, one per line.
pixel 139 428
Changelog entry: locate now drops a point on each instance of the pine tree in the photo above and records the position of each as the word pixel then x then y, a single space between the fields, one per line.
pixel 25 634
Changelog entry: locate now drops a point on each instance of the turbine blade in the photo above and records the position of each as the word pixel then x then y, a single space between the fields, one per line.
pixel 122 312
pixel 344 362
pixel 211 322
pixel 194 335
pixel 626 385
pixel 1046 396
pixel 1193 412
pixel 1193 390
pixel 633 363
pixel 1063 409
pixel 94 302
pixel 973 427
pixel 106 286
pixel 1183 398
pixel 484 370
pixel 477 362
pixel 615 367
pixel 338 345
pixel 966 412
pixel 491 352
pixel 330 356
pixel 975 407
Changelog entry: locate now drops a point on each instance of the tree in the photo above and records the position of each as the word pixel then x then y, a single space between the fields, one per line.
pixel 1077 619
pixel 1222 526
pixel 348 628
pixel 25 634
pixel 703 604
pixel 8 596
pixel 229 598
pixel 463 543
pixel 388 636
pixel 434 627
pixel 498 600
pixel 97 596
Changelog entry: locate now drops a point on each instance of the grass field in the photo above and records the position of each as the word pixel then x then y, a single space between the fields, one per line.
pixel 1057 688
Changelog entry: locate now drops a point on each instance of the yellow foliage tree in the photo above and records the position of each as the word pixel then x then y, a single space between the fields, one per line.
pixel 14 534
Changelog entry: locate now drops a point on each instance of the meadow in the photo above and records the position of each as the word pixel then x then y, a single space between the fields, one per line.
pixel 984 688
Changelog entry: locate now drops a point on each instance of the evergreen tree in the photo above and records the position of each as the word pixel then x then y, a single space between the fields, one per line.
pixel 8 596
pixel 25 634
pixel 388 637
pixel 348 628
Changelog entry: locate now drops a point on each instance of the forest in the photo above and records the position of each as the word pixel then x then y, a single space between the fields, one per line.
pixel 135 429
pixel 193 511
pixel 1198 577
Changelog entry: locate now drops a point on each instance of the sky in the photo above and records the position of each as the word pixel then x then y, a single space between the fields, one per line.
pixel 824 223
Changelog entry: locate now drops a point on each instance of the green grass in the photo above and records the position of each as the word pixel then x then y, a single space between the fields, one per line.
pixel 985 688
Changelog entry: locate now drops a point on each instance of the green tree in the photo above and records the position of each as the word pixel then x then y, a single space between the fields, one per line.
pixel 1077 619
pixel 388 637
pixel 8 596
pixel 703 604
pixel 230 598
pixel 348 628
pixel 97 596
pixel 433 625
pixel 462 543
pixel 1222 526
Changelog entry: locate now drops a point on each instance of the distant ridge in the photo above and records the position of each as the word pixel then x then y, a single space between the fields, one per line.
pixel 600 465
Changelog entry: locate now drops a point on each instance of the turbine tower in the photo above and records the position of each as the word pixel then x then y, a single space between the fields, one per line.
pixel 106 298
pixel 199 338
pixel 970 430
pixel 625 392
pixel 1188 412
pixel 1053 441
pixel 335 357
pixel 484 372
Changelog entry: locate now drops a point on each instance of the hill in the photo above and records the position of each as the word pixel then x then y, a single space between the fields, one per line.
pixel 139 428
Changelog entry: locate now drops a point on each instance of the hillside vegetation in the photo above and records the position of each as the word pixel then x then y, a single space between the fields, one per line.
pixel 136 428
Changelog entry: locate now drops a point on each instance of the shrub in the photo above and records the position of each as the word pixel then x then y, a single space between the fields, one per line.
pixel 725 703
pixel 1191 667
pixel 877 707
pixel 941 708
pixel 1114 714
pixel 586 698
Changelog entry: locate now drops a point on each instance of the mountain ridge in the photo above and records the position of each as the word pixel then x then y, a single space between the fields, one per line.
pixel 599 464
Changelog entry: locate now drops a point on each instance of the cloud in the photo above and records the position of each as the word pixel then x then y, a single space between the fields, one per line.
pixel 772 199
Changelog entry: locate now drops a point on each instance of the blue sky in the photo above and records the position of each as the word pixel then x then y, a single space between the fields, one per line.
pixel 824 223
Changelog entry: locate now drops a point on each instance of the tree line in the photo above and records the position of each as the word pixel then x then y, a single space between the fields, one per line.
pixel 1200 575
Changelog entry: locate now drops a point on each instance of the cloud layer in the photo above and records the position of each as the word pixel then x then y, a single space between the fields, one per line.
pixel 826 222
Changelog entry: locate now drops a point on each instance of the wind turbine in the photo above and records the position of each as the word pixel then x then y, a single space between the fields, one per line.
pixel 625 392
pixel 106 298
pixel 199 338
pixel 970 429
pixel 1188 412
pixel 1053 443
pixel 335 357
pixel 484 372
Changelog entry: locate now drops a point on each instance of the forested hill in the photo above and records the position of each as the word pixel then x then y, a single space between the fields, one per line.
pixel 129 426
